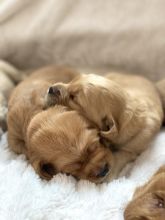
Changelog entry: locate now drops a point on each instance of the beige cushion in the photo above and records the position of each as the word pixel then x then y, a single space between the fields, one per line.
pixel 96 34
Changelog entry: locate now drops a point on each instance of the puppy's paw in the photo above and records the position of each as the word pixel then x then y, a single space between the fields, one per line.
pixel 56 94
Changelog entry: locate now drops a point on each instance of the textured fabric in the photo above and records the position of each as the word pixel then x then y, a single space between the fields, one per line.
pixel 96 34
pixel 26 197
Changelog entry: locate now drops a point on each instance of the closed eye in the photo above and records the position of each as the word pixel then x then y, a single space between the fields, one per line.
pixel 72 96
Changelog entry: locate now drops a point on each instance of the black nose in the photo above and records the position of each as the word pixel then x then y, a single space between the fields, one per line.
pixel 53 91
pixel 104 170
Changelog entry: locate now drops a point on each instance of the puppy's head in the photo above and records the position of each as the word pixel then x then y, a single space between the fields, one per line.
pixel 150 206
pixel 148 202
pixel 62 141
pixel 97 98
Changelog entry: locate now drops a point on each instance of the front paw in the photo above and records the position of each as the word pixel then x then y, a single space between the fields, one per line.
pixel 112 176
pixel 56 94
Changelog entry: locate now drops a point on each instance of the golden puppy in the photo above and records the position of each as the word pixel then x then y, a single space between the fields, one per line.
pixel 126 109
pixel 57 139
pixel 149 200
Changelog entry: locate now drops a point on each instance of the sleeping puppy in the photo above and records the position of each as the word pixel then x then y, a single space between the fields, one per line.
pixel 126 109
pixel 56 139
pixel 149 200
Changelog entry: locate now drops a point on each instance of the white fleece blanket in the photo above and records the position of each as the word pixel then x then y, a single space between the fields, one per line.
pixel 24 196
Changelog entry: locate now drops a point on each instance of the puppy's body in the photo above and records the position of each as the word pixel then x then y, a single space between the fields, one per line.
pixel 27 100
pixel 142 114
pixel 149 200
pixel 126 109
pixel 56 139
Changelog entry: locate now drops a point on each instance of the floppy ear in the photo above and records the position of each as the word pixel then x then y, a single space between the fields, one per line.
pixel 127 116
pixel 109 128
pixel 46 170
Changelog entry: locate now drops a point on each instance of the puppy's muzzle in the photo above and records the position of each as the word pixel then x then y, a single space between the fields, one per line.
pixel 54 91
pixel 56 94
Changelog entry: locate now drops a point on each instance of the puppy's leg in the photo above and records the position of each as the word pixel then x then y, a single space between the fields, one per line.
pixel 127 153
pixel 16 138
pixel 121 158
pixel 17 145
pixel 14 74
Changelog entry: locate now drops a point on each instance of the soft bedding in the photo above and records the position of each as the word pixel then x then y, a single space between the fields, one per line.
pixel 24 196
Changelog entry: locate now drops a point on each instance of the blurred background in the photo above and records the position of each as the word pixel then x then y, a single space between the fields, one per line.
pixel 95 35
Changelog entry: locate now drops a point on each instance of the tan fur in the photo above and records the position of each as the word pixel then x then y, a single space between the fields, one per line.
pixel 126 109
pixel 149 200
pixel 56 139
